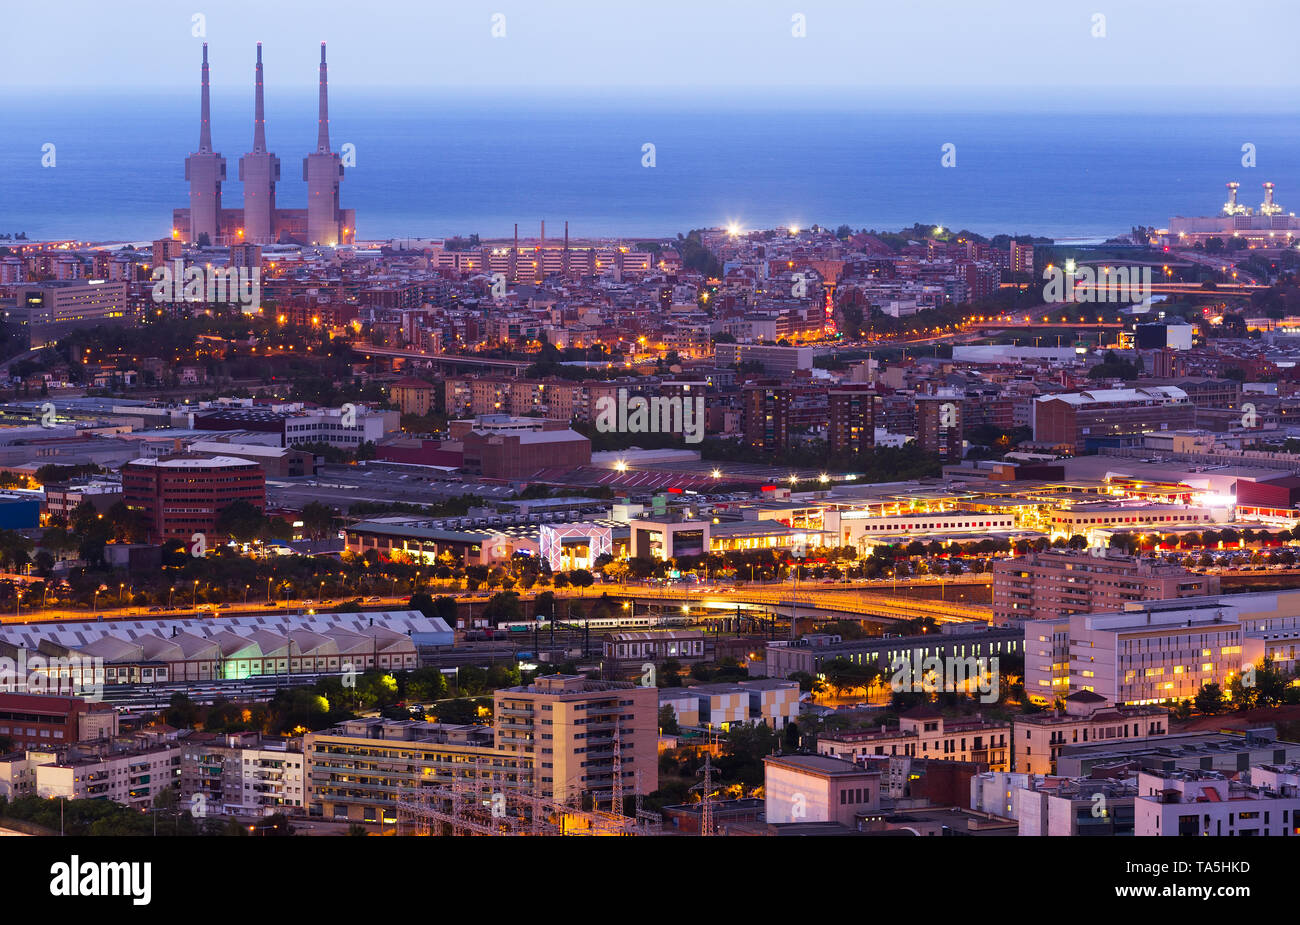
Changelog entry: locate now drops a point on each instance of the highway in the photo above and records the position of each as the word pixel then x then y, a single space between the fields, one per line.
pixel 857 598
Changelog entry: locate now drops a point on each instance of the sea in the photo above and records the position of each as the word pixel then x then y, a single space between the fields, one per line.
pixel 430 165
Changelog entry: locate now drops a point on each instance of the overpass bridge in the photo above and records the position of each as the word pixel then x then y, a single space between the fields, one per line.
pixel 822 602
pixel 445 361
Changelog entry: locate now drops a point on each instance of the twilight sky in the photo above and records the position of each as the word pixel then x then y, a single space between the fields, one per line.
pixel 997 51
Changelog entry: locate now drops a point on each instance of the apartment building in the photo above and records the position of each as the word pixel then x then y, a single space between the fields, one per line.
pixel 1066 807
pixel 939 425
pixel 357 771
pixel 1210 803
pixel 852 427
pixel 571 727
pixel 924 732
pixel 242 774
pixel 1087 718
pixel 1056 583
pixel 133 776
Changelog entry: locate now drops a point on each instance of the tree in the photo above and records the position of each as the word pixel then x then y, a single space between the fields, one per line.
pixel 241 521
pixel 503 607
pixel 668 721
pixel 318 519
pixel 1209 700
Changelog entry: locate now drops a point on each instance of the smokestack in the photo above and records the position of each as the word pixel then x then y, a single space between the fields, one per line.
pixel 205 126
pixel 259 110
pixel 1268 207
pixel 566 235
pixel 1232 193
pixel 543 244
pixel 323 121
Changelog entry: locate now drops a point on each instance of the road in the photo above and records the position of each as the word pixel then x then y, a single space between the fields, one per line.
pixel 860 598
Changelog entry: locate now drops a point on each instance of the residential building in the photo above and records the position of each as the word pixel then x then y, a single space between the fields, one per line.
pixel 1039 737
pixel 924 732
pixel 573 727
pixel 1056 583
pixel 1209 803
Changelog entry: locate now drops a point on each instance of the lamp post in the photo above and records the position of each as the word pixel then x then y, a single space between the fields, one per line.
pixel 195 601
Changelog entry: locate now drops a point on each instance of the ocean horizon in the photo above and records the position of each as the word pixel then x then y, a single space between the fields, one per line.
pixel 435 166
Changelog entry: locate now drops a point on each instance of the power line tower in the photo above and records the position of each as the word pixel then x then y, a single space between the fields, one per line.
pixel 706 796
pixel 616 790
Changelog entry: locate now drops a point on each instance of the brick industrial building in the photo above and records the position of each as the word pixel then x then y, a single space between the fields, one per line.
pixel 48 720
pixel 1110 417
pixel 184 494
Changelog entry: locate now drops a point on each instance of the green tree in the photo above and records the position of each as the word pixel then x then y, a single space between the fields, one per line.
pixel 1209 700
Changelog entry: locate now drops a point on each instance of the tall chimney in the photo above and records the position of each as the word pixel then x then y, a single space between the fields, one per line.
pixel 205 170
pixel 323 119
pixel 205 116
pixel 259 109
pixel 323 171
pixel 259 170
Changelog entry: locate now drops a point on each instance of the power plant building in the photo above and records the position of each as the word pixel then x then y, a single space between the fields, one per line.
pixel 260 221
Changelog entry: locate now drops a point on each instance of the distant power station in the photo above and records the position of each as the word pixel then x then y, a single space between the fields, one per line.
pixel 1267 226
pixel 259 221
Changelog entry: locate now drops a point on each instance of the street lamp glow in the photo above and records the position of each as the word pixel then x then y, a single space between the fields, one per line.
pixel 620 465
pixel 717 473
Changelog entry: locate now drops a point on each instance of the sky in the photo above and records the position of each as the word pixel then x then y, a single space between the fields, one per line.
pixel 998 52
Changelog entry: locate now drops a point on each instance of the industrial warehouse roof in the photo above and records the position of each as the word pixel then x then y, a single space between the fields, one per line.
pixel 116 640
pixel 190 462
pixel 413 532
pixel 1099 396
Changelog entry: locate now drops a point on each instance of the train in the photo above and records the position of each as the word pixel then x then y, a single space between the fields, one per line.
pixel 596 623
